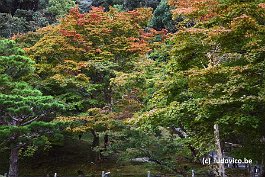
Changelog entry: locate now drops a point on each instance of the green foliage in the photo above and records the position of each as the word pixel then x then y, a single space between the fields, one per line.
pixel 130 5
pixel 14 64
pixel 85 5
pixel 213 75
pixel 23 21
pixel 21 104
pixel 33 137
pixel 159 147
pixel 77 59
pixel 228 12
pixel 22 107
pixel 60 7
pixel 108 68
pixel 19 17
pixel 12 25
pixel 43 4
pixel 188 51
pixel 162 18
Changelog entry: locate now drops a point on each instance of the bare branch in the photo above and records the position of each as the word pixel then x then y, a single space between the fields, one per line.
pixel 31 120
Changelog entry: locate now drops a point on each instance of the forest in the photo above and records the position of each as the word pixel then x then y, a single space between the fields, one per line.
pixel 132 87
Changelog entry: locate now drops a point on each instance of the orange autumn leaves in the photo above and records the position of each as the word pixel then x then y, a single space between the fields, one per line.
pixel 115 33
pixel 98 35
pixel 202 10
pixel 206 8
pixel 262 5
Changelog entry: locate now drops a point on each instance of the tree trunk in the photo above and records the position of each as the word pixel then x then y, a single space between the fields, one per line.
pixel 221 168
pixel 182 135
pixel 95 142
pixel 13 168
pixel 95 155
pixel 106 140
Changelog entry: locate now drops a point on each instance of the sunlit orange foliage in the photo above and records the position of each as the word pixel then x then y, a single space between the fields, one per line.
pixel 262 5
pixel 98 35
pixel 187 7
pixel 115 32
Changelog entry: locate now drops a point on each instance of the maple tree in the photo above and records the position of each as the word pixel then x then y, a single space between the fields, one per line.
pixel 77 58
pixel 82 59
pixel 213 73
pixel 190 7
pixel 122 81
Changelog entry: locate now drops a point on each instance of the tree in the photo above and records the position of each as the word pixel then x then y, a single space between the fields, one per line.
pixel 160 147
pixel 215 75
pixel 195 8
pixel 12 25
pixel 20 104
pixel 10 6
pixel 77 58
pixel 60 8
pixel 162 18
pixel 95 121
pixel 18 17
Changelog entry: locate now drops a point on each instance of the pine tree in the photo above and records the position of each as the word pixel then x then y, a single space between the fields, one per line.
pixel 21 106
pixel 162 18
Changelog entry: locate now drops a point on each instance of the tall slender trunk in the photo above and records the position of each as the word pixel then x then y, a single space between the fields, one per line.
pixel 221 169
pixel 13 167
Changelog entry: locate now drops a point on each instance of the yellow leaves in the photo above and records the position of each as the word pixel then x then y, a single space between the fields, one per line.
pixel 95 118
pixel 243 22
pixel 82 77
pixel 67 67
pixel 63 119
pixel 172 3
pixel 48 29
pixel 196 30
pixel 58 77
pixel 79 129
pixel 76 128
pixel 184 10
pixel 54 47
pixel 215 31
pixel 68 73
pixel 141 16
pixel 121 79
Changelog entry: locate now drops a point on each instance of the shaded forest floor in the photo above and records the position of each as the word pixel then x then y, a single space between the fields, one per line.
pixel 64 160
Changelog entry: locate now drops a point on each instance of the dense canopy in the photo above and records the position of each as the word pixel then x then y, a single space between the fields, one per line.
pixel 120 81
